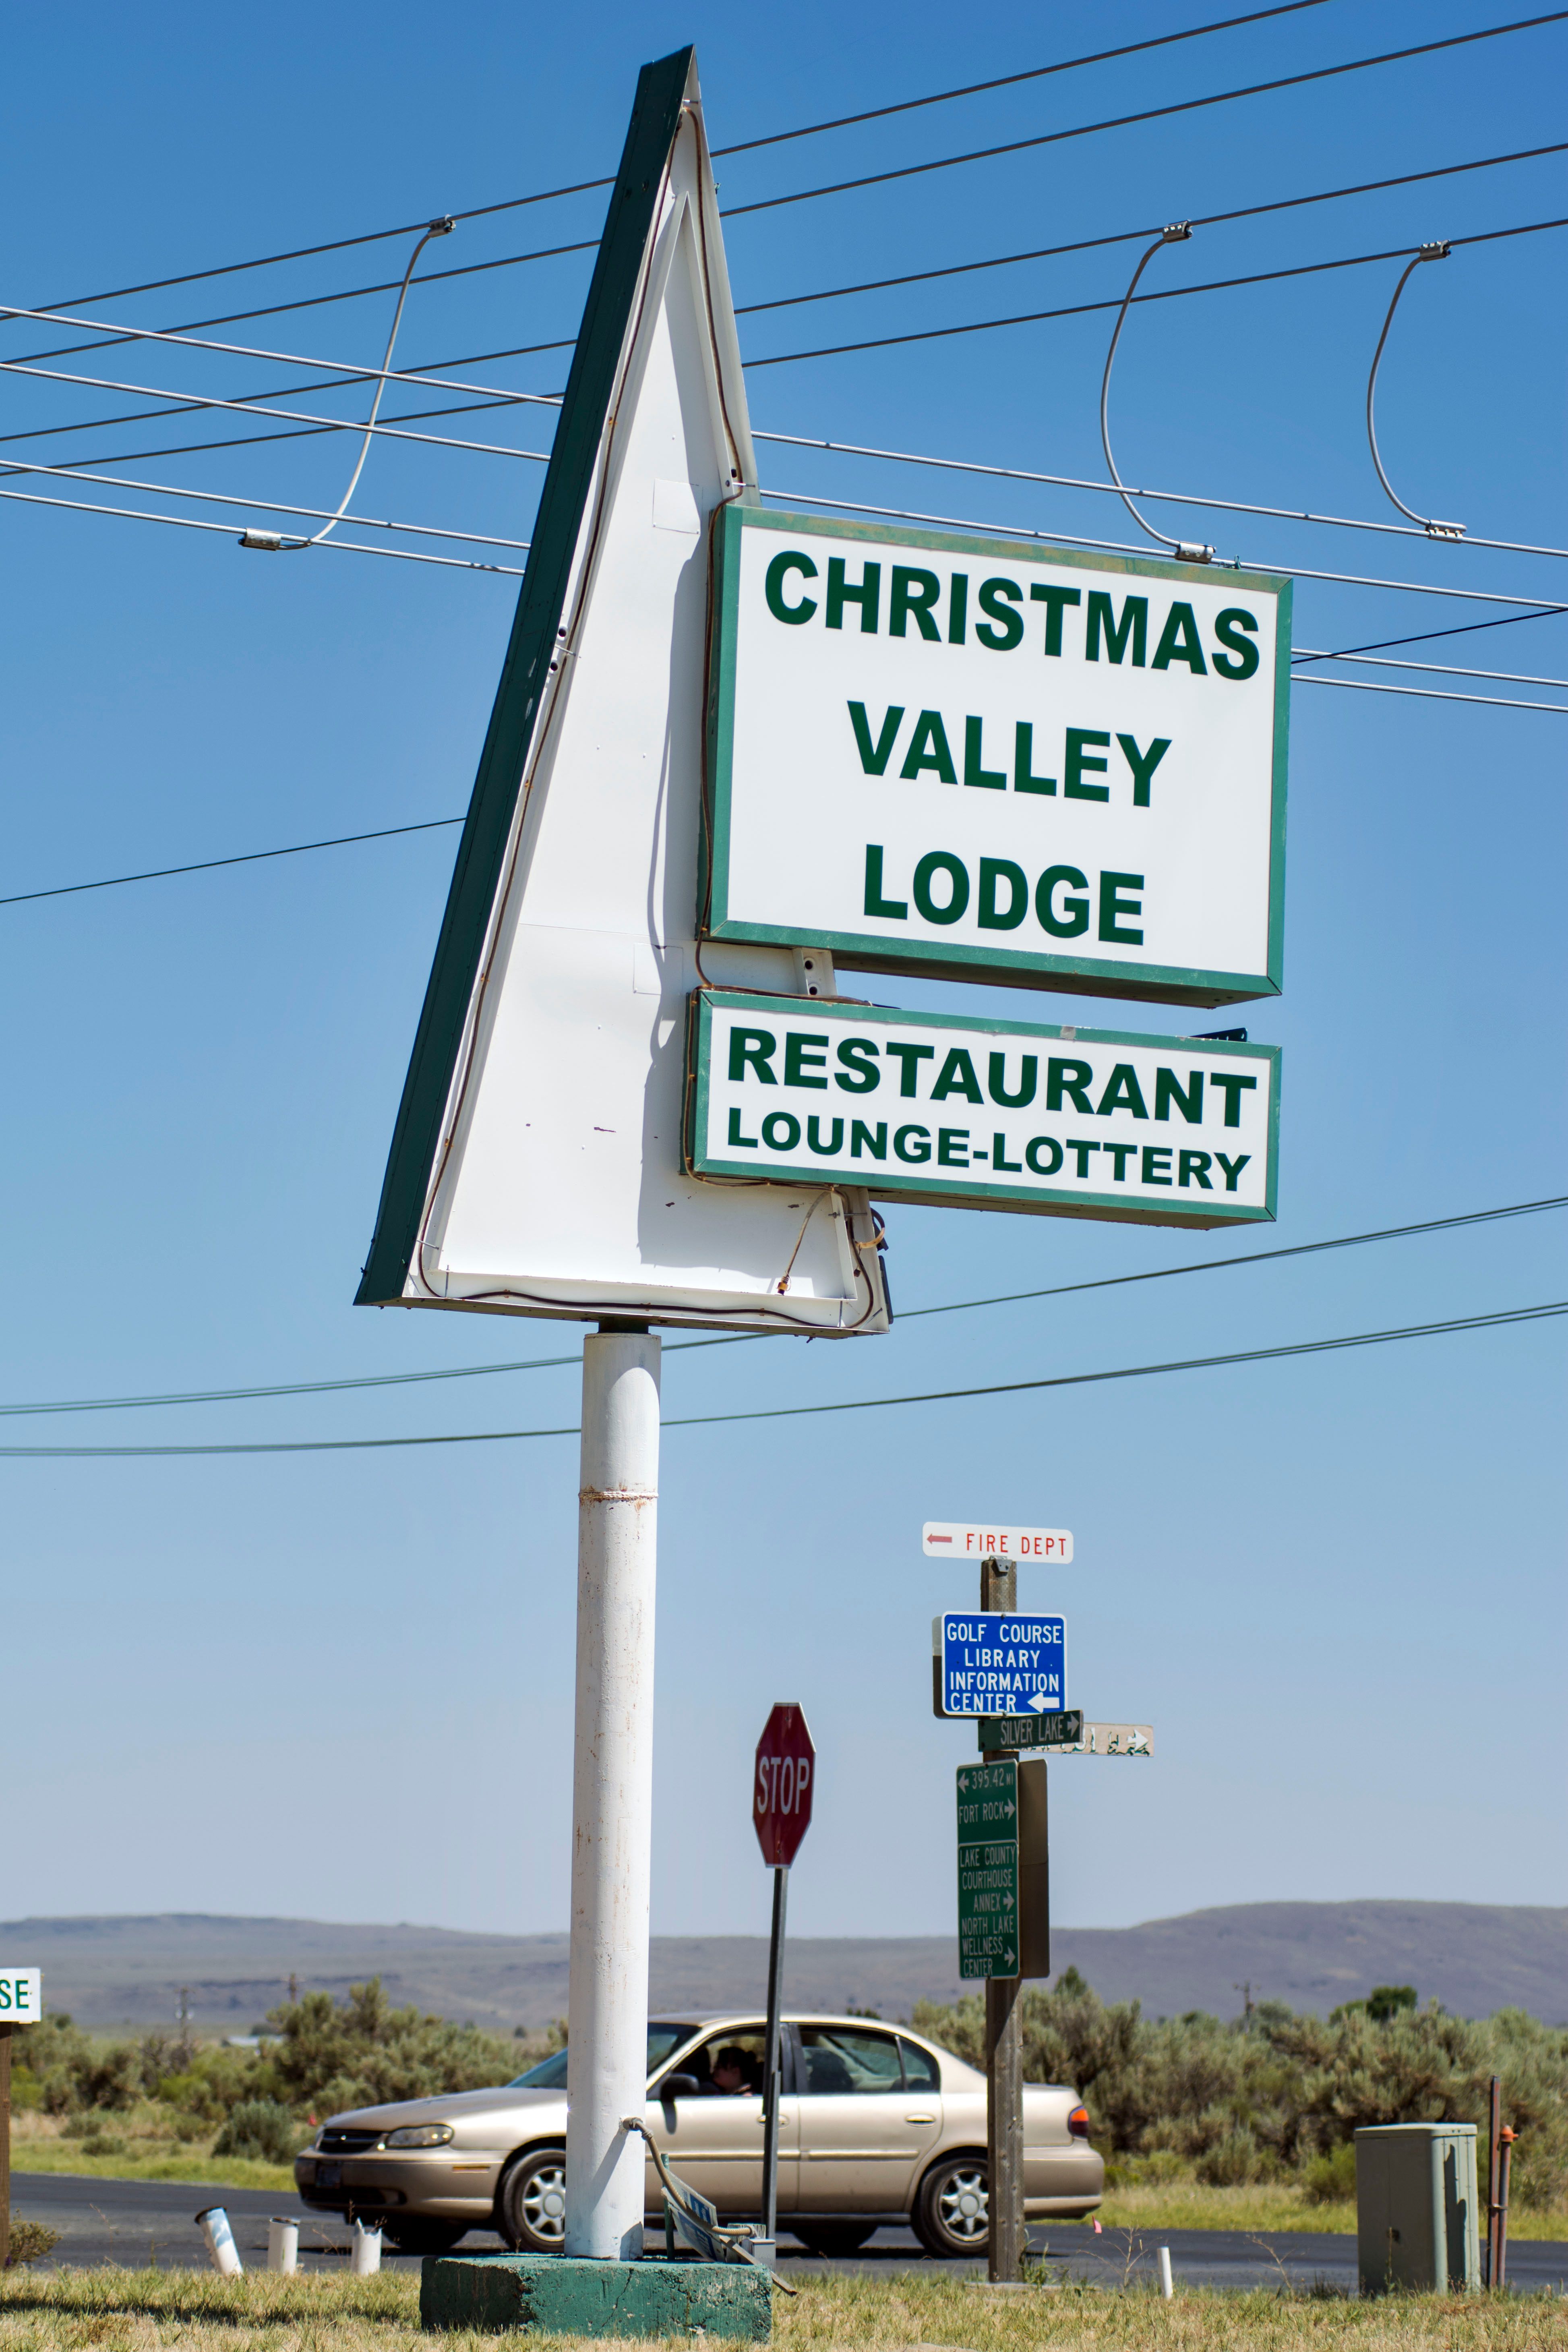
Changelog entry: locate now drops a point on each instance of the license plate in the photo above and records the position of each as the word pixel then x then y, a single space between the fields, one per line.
pixel 328 2176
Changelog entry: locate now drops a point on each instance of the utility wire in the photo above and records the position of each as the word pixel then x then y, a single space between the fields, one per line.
pixel 207 865
pixel 1438 669
pixel 1432 693
pixel 1425 636
pixel 1156 294
pixel 1010 81
pixel 10 466
pixel 1002 531
pixel 259 408
pixel 230 531
pixel 746 1339
pixel 1506 1316
pixel 1122 236
pixel 741 147
pixel 786 302
pixel 1146 114
pixel 1108 489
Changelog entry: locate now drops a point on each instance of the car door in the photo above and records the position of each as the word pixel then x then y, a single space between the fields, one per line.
pixel 868 2118
pixel 714 2140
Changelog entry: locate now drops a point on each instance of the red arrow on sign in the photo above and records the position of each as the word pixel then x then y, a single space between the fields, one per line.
pixel 782 1788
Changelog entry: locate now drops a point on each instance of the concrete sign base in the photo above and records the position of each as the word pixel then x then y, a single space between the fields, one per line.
pixel 558 2296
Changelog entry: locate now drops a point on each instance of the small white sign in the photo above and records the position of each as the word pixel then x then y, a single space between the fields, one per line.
pixel 21 1996
pixel 951 1539
pixel 1111 1739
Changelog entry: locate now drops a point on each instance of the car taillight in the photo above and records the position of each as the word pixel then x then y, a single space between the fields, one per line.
pixel 1078 2123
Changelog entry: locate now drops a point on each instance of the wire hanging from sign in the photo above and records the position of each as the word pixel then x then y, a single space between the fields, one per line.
pixel 1187 551
pixel 1438 251
pixel 273 543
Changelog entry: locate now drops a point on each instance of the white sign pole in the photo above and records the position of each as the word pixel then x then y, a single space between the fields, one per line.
pixel 613 1792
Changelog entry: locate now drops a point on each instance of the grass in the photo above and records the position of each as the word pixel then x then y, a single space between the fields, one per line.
pixel 141 2145
pixel 187 2311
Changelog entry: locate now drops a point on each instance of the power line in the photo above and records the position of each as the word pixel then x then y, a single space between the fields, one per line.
pixel 583 188
pixel 1510 1316
pixel 1148 114
pixel 1131 235
pixel 207 865
pixel 230 531
pixel 1168 498
pixel 1436 670
pixel 1431 693
pixel 113 334
pixel 9 466
pixel 1006 530
pixel 1156 294
pixel 746 1339
pixel 1009 81
pixel 1425 636
pixel 259 408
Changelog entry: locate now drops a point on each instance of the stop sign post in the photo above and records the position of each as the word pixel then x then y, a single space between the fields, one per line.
pixel 783 1784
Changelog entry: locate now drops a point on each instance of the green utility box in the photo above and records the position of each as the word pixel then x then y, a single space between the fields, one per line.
pixel 1416 2210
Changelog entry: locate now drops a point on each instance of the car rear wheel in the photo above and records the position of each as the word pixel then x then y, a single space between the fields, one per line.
pixel 533 2202
pixel 415 2236
pixel 831 2238
pixel 952 2208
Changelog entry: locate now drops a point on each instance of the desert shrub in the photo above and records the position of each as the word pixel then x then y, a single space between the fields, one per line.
pixel 215 2082
pixel 361 2051
pixel 1330 2179
pixel 262 2128
pixel 1280 2096
pixel 30 2241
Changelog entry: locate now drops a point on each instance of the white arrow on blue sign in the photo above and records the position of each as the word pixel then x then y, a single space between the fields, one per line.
pixel 1006 1662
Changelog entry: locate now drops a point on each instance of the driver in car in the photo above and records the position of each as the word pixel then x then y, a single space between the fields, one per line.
pixel 729 2079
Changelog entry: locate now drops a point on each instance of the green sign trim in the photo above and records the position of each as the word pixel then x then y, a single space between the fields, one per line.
pixel 1077 975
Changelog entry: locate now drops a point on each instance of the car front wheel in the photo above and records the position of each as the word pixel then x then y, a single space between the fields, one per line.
pixel 533 2202
pixel 952 2209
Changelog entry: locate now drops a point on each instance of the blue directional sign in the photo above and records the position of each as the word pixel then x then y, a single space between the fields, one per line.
pixel 998 1663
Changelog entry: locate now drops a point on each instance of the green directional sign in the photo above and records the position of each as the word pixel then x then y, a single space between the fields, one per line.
pixel 1060 1729
pixel 988 1870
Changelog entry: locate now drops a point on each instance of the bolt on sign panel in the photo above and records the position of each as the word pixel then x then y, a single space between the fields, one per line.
pixel 961 756
pixel 957 1112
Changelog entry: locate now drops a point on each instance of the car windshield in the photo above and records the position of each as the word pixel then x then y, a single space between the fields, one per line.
pixel 550 2073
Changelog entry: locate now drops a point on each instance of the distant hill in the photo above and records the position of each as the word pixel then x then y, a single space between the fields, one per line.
pixel 1472 1957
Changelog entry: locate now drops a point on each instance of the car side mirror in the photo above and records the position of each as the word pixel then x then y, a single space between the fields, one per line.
pixel 679 2086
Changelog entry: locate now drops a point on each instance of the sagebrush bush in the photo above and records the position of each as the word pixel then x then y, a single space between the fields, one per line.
pixel 263 2129
pixel 1264 2097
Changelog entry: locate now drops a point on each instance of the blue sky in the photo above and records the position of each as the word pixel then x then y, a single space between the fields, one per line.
pixel 1334 1584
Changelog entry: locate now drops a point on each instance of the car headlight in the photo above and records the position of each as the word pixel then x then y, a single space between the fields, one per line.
pixel 419 2136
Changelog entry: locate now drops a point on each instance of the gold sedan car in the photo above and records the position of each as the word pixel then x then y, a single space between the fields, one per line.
pixel 876 2126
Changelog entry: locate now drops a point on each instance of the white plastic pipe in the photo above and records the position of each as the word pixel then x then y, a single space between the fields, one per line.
pixel 1166 2286
pixel 282 2245
pixel 365 2255
pixel 613 1794
pixel 220 2240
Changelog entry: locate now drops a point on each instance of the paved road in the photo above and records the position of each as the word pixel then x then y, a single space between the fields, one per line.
pixel 139 2223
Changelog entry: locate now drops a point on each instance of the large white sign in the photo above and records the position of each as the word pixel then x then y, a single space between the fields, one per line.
pixel 961 1113
pixel 535 1163
pixel 996 761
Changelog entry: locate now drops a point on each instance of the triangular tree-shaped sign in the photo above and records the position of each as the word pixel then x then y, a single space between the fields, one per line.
pixel 536 1164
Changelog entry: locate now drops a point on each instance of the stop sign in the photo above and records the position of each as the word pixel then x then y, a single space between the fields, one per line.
pixel 781 1791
